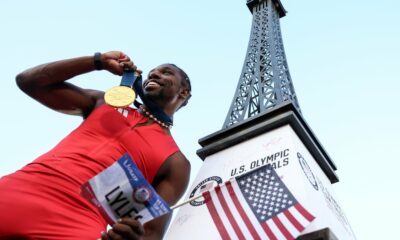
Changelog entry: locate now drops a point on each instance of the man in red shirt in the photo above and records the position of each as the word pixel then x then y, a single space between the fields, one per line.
pixel 43 201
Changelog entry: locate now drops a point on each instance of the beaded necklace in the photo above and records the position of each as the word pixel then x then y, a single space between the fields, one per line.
pixel 151 116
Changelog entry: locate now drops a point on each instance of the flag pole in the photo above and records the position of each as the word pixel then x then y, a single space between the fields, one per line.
pixel 193 198
pixel 186 202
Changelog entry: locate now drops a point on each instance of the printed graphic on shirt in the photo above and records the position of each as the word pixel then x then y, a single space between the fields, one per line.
pixel 123 111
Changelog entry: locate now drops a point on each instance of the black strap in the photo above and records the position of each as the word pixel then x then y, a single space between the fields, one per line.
pixel 97 61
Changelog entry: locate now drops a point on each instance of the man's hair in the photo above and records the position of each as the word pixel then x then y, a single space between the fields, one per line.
pixel 185 83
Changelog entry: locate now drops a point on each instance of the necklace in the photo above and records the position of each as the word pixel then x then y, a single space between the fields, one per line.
pixel 151 116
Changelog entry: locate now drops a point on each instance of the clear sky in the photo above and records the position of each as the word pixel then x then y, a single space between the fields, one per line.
pixel 343 58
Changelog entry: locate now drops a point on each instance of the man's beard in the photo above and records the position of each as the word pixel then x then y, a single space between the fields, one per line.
pixel 157 97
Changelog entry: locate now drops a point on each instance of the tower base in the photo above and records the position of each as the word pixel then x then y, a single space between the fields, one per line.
pixel 282 139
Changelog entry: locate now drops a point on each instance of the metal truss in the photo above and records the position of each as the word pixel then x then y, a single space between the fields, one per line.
pixel 265 80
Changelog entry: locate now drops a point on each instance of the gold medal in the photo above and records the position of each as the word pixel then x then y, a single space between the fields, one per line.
pixel 120 96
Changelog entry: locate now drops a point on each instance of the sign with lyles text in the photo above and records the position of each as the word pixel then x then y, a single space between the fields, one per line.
pixel 122 191
pixel 283 150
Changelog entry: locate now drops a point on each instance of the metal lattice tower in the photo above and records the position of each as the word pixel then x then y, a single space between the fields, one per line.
pixel 265 80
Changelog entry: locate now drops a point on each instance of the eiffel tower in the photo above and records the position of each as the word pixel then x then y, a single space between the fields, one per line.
pixel 265 80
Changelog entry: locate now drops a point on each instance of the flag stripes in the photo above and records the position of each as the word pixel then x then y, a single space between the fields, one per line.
pixel 228 213
pixel 250 228
pixel 215 216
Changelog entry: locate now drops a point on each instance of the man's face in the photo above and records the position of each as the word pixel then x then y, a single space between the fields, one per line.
pixel 163 83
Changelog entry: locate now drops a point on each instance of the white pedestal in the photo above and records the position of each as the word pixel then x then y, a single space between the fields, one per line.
pixel 280 138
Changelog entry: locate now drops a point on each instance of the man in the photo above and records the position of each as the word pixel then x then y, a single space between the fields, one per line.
pixel 42 200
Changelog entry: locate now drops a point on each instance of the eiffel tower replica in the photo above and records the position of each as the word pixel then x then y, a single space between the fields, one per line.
pixel 265 81
pixel 264 125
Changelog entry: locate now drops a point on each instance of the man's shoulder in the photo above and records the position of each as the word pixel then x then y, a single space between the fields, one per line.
pixel 178 159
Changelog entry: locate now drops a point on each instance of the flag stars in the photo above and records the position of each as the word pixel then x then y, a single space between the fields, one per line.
pixel 265 194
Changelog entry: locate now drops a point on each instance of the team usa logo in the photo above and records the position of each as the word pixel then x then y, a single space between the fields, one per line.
pixel 307 171
pixel 203 186
pixel 142 195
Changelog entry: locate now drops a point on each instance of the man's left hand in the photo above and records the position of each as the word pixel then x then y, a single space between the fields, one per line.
pixel 124 229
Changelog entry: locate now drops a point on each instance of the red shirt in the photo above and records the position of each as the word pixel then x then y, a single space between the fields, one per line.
pixel 42 200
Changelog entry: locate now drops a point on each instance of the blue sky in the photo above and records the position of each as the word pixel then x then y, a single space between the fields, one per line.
pixel 343 57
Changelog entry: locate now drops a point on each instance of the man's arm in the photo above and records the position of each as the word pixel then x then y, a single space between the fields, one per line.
pixel 170 183
pixel 47 84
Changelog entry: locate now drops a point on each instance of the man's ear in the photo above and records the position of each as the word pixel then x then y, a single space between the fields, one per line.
pixel 184 93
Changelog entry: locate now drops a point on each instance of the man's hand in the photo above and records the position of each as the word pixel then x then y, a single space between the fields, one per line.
pixel 116 62
pixel 124 229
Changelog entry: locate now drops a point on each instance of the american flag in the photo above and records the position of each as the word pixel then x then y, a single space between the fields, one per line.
pixel 256 205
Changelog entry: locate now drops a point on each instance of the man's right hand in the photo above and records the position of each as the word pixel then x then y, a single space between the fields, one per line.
pixel 116 62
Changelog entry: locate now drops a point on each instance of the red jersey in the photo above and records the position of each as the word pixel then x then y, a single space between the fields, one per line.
pixel 43 201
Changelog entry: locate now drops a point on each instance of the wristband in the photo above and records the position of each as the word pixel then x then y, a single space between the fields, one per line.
pixel 97 61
